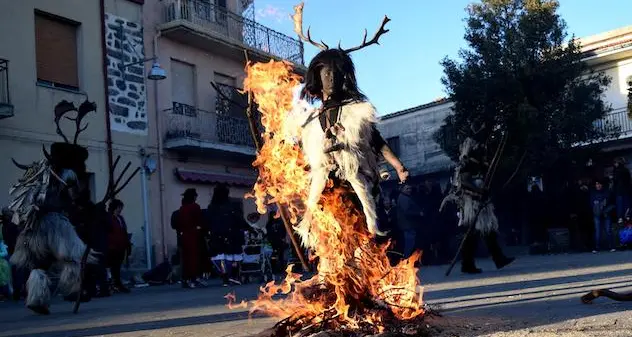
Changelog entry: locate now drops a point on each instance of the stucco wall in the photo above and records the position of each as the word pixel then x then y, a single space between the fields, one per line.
pixel 418 150
pixel 22 135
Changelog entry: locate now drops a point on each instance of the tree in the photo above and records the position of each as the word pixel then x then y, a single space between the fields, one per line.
pixel 521 76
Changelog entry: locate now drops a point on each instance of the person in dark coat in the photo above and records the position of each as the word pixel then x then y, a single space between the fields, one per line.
pixel 118 244
pixel 621 188
pixel 190 226
pixel 227 233
pixel 601 203
pixel 275 233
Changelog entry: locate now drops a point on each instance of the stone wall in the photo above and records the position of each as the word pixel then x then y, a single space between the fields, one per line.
pixel 126 88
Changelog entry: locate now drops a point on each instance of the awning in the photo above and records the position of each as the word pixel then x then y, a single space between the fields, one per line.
pixel 206 177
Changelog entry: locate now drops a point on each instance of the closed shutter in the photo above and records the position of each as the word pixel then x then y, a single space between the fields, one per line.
pixel 183 83
pixel 56 51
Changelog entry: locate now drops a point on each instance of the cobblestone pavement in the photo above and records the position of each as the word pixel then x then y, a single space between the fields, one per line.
pixel 535 296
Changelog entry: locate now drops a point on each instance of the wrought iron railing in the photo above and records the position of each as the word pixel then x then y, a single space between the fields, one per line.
pixel 236 27
pixel 615 124
pixel 227 125
pixel 5 98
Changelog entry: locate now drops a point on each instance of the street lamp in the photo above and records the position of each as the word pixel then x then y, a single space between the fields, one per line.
pixel 156 73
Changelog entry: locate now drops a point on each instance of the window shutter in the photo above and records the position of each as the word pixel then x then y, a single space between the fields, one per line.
pixel 183 83
pixel 56 51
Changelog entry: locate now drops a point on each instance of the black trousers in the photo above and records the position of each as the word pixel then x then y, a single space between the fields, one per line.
pixel 115 261
pixel 468 254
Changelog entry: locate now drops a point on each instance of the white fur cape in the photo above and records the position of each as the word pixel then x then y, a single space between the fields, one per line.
pixel 356 163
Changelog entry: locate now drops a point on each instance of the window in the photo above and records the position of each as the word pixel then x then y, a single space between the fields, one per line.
pixel 56 51
pixel 225 79
pixel 230 101
pixel 183 82
pixel 393 143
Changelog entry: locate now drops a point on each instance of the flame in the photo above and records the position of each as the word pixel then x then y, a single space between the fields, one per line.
pixel 232 299
pixel 355 285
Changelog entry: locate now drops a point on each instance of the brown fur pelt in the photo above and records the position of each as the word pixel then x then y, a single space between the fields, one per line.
pixel 594 294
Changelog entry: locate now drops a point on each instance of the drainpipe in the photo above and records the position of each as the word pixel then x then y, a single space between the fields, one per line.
pixel 161 177
pixel 108 129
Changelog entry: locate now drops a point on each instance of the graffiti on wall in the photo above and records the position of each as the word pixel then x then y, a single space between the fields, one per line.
pixel 126 86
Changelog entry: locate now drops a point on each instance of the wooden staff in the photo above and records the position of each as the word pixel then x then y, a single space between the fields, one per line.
pixel 282 211
pixel 82 277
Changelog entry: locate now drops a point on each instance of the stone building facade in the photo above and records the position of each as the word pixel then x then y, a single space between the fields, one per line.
pixel 126 86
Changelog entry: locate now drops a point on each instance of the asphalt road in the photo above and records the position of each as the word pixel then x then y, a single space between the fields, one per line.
pixel 535 296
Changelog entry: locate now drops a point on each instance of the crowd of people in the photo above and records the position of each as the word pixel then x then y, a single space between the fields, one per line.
pixel 412 217
pixel 109 238
pixel 595 211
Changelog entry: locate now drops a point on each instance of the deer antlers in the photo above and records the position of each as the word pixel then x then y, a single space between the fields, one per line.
pixel 64 107
pixel 298 28
pixel 113 186
pixel 375 40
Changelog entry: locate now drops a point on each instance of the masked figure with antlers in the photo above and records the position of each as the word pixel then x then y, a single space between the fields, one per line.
pixel 340 140
pixel 51 204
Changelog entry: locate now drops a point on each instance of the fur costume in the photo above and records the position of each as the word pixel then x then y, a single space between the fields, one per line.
pixel 467 183
pixel 355 163
pixel 44 199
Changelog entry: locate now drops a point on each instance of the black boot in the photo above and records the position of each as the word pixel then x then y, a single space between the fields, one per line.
pixel 470 269
pixel 40 309
pixel 468 264
pixel 501 261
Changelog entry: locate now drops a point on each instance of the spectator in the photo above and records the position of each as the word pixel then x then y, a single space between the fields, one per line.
pixel 275 233
pixel 5 269
pixel 430 197
pixel 408 218
pixel 536 214
pixel 175 227
pixel 10 232
pixel 621 186
pixel 118 244
pixel 190 224
pixel 227 233
pixel 602 211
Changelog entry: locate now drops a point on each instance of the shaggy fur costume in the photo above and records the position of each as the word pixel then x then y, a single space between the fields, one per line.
pixel 40 202
pixel 468 202
pixel 356 163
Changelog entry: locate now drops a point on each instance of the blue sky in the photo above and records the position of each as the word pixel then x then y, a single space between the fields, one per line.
pixel 404 71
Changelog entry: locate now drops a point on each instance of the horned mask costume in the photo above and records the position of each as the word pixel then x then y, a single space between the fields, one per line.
pixel 51 203
pixel 340 139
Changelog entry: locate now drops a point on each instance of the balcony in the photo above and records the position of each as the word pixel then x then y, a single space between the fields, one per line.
pixel 222 132
pixel 215 29
pixel 616 125
pixel 6 108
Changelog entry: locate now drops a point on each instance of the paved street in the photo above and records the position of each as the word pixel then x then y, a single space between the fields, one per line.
pixel 537 296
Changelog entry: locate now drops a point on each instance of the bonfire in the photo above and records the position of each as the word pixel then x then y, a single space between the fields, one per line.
pixel 355 290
